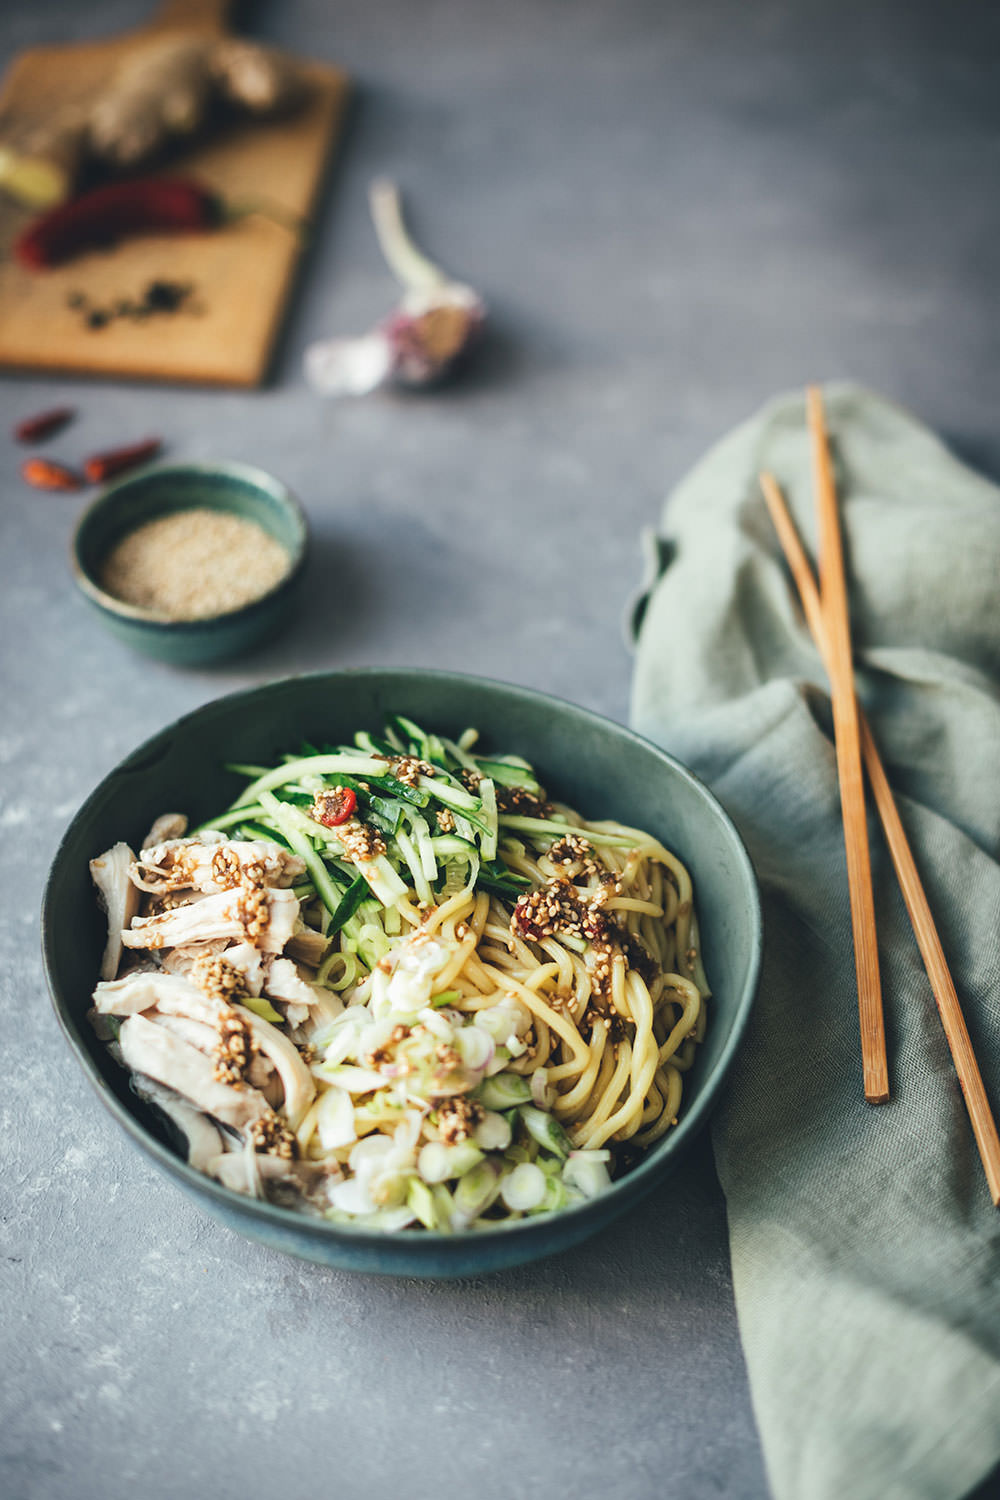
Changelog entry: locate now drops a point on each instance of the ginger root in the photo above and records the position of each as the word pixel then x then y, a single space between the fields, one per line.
pixel 160 93
pixel 257 79
pixel 164 94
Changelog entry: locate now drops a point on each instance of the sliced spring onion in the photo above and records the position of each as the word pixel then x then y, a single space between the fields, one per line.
pixel 476 1190
pixel 493 1132
pixel 440 1163
pixel 503 1090
pixel 544 1128
pixel 524 1188
pixel 335 1119
pixel 586 1173
pixel 421 1200
pixel 263 1008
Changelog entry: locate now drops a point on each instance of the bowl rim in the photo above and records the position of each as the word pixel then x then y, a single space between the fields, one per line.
pixel 639 1178
pixel 257 478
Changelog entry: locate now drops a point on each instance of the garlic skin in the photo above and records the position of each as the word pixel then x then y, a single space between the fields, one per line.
pixel 422 340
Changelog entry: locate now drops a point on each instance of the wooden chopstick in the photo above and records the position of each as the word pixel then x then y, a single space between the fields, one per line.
pixel 840 668
pixel 924 928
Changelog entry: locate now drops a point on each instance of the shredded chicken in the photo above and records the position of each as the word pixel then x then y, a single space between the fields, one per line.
pixel 265 917
pixel 286 982
pixel 204 1140
pixel 300 1089
pixel 307 945
pixel 147 1047
pixel 179 864
pixel 218 918
pixel 167 827
pixel 119 898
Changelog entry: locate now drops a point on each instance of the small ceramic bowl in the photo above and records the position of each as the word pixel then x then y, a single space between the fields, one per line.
pixel 163 490
pixel 597 766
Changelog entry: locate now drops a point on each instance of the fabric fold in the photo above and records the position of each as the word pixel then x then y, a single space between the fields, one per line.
pixel 866 1251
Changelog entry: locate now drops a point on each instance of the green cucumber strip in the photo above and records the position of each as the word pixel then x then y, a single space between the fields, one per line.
pixel 409 733
pixel 287 820
pixel 310 765
pixel 503 888
pixel 451 794
pixel 460 756
pixel 446 845
pixel 488 800
pixel 425 847
pixel 409 851
pixel 551 828
pixel 230 819
pixel 509 775
pixel 257 831
pixel 372 745
pixel 355 895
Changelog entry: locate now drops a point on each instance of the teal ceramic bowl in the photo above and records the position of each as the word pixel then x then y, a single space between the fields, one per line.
pixel 599 767
pixel 163 490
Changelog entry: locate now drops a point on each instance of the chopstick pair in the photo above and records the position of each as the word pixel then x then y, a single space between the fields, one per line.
pixel 826 613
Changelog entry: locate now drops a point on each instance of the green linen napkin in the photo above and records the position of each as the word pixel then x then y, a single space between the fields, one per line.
pixel 865 1248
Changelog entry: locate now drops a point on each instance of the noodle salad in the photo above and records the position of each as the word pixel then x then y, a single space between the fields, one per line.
pixel 394 983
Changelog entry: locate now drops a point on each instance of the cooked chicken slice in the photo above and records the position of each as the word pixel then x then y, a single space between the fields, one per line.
pixel 139 991
pixel 307 945
pixel 275 1177
pixel 179 864
pixel 299 1086
pixel 149 1048
pixel 181 960
pixel 198 1033
pixel 118 897
pixel 249 961
pixel 204 1140
pixel 261 1075
pixel 285 981
pixel 264 917
pixel 237 1170
pixel 167 827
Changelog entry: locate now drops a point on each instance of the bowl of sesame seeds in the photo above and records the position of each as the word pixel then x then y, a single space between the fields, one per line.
pixel 191 563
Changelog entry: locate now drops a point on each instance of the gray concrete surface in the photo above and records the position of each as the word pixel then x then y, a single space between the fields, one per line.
pixel 674 210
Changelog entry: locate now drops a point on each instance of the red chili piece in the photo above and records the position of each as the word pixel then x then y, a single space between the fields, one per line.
pixel 146 205
pixel 44 474
pixel 102 466
pixel 45 425
pixel 336 806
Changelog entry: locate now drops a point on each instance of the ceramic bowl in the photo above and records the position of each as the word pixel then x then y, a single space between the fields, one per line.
pixel 162 490
pixel 597 766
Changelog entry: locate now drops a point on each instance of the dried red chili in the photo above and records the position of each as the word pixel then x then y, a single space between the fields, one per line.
pixel 45 425
pixel 103 466
pixel 44 474
pixel 160 205
pixel 334 807
pixel 120 210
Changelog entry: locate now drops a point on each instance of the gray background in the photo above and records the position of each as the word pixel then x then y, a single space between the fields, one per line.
pixel 673 210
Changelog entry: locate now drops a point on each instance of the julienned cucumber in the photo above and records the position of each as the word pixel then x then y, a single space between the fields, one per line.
pixel 434 834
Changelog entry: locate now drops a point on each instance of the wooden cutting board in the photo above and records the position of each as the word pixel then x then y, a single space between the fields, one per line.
pixel 242 273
